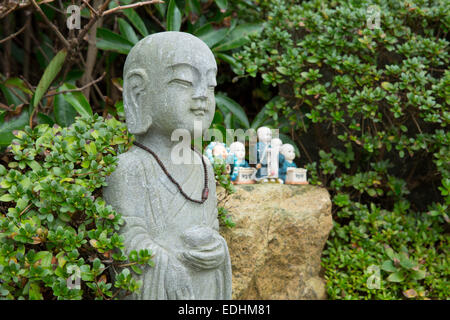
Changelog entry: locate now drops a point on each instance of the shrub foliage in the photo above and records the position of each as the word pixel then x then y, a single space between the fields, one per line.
pixel 369 109
pixel 54 225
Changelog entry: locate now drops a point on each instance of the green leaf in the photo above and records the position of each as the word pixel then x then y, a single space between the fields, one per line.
pixel 222 4
pixel 17 83
pixel 387 85
pixel 173 17
pixel 218 117
pixel 161 7
pixel 136 21
pixel 194 6
pixel 283 70
pixel 77 100
pixel 108 40
pixel 64 112
pixel 211 36
pixel 312 59
pixel 127 31
pixel 90 148
pixel 35 292
pixel 11 98
pixel 6 198
pixel 119 107
pixel 6 127
pixel 228 120
pixel 49 75
pixel 238 37
pixel 15 91
pixel 136 269
pixel 261 117
pixel 388 266
pixel 45 257
pixel 396 277
pixel 235 66
pixel 3 170
pixel 228 105
pixel 44 119
pixel 3 292
pixel 405 262
pixel 418 275
pixel 390 253
pixel 34 165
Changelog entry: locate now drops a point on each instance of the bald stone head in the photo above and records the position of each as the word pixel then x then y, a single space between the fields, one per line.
pixel 169 81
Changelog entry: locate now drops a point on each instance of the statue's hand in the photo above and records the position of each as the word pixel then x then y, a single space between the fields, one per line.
pixel 206 257
pixel 177 282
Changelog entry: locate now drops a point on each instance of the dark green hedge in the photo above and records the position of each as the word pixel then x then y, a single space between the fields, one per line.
pixel 369 109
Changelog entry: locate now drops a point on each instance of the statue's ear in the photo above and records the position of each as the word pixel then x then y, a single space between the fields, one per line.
pixel 134 85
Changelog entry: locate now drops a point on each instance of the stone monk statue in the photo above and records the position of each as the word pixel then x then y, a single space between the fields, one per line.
pixel 170 208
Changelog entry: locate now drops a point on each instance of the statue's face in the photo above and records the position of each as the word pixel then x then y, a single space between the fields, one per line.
pixel 239 151
pixel 169 80
pixel 186 81
pixel 276 142
pixel 220 151
pixel 265 135
pixel 289 153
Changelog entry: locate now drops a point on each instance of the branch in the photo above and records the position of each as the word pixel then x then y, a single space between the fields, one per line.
pixel 14 34
pixel 90 8
pixel 149 11
pixel 92 21
pixel 133 5
pixel 9 10
pixel 5 107
pixel 77 89
pixel 18 95
pixel 23 211
pixel 51 25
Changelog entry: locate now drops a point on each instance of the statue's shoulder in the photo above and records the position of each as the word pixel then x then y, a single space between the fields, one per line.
pixel 131 157
pixel 130 162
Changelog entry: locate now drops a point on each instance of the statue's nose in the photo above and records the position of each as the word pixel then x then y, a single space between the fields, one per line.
pixel 200 92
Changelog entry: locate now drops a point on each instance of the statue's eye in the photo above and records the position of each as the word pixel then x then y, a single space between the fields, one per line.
pixel 185 83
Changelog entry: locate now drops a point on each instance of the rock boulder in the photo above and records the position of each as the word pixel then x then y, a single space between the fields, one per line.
pixel 277 242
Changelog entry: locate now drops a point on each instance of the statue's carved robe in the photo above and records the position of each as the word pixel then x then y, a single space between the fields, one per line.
pixel 156 215
pixel 262 153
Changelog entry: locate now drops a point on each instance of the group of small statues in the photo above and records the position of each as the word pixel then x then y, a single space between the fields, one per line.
pixel 274 160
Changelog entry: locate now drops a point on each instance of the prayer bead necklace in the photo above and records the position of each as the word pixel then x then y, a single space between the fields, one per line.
pixel 205 192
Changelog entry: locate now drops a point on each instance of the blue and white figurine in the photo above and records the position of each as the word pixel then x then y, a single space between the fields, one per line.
pixel 287 156
pixel 237 150
pixel 273 161
pixel 262 153
pixel 218 152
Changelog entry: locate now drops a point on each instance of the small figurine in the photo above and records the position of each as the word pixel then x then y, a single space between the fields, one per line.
pixel 273 160
pixel 218 152
pixel 241 173
pixel 287 153
pixel 262 153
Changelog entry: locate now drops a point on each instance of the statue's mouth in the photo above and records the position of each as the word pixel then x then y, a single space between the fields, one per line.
pixel 198 112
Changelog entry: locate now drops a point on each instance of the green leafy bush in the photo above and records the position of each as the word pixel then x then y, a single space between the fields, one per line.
pixel 54 225
pixel 369 109
pixel 223 180
pixel 47 84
